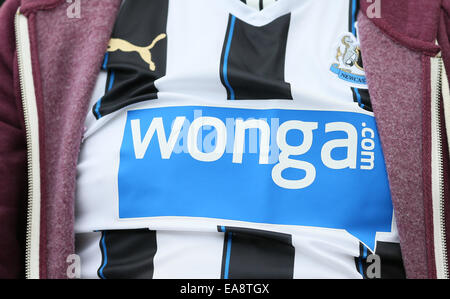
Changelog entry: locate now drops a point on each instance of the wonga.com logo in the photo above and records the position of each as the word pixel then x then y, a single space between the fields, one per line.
pixel 267 166
pixel 207 139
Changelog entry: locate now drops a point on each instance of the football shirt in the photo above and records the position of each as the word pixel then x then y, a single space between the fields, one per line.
pixel 227 139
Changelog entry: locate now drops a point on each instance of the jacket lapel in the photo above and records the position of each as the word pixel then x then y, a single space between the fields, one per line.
pixel 394 74
pixel 68 52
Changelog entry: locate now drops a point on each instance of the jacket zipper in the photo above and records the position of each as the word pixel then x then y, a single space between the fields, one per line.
pixel 32 140
pixel 440 245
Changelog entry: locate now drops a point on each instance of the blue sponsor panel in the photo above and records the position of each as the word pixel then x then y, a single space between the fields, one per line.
pixel 291 167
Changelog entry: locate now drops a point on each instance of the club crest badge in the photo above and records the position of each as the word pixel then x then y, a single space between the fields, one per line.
pixel 347 63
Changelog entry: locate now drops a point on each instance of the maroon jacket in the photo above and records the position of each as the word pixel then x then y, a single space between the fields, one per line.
pixel 49 64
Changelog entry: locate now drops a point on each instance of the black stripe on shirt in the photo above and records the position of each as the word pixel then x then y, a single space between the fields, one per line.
pixel 256 254
pixel 360 95
pixel 361 260
pixel 391 260
pixel 130 75
pixel 388 259
pixel 127 254
pixel 353 7
pixel 249 74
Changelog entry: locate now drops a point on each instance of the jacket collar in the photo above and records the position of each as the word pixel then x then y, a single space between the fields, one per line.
pixel 412 23
pixel 28 6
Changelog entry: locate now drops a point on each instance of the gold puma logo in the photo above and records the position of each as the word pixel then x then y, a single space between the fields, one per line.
pixel 125 46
